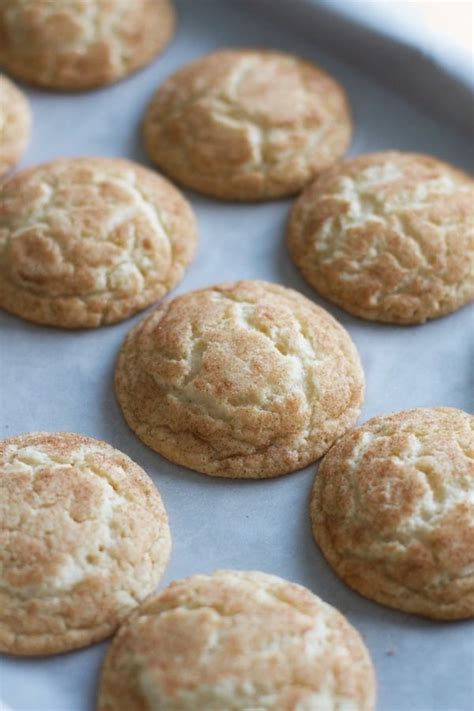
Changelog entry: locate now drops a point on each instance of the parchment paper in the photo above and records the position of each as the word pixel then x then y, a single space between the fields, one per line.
pixel 58 380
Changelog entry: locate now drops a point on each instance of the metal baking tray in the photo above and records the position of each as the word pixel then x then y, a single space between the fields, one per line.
pixel 58 380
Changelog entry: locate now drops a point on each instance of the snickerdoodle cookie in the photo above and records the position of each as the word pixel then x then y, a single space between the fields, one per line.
pixel 236 640
pixel 247 124
pixel 84 538
pixel 393 511
pixel 246 380
pixel 90 241
pixel 15 124
pixel 388 237
pixel 81 44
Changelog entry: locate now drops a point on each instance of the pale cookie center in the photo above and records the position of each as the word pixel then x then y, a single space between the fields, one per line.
pixel 219 679
pixel 78 240
pixel 364 200
pixel 262 110
pixel 68 27
pixel 79 527
pixel 442 495
pixel 227 384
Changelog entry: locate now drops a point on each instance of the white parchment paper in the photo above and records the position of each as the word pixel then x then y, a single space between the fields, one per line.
pixel 58 380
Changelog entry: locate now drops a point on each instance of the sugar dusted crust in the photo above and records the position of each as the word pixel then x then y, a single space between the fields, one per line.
pixel 15 124
pixel 388 237
pixel 393 511
pixel 248 379
pixel 90 241
pixel 247 124
pixel 84 537
pixel 81 44
pixel 236 640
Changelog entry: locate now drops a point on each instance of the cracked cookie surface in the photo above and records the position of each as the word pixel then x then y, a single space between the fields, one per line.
pixel 81 44
pixel 247 124
pixel 388 237
pixel 90 241
pixel 393 511
pixel 245 380
pixel 236 640
pixel 15 124
pixel 84 537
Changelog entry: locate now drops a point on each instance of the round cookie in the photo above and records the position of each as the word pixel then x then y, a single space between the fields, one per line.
pixel 388 237
pixel 84 538
pixel 90 241
pixel 15 124
pixel 244 380
pixel 393 511
pixel 236 640
pixel 247 124
pixel 82 44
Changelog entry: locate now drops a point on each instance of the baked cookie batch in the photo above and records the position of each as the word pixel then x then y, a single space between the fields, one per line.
pixel 243 380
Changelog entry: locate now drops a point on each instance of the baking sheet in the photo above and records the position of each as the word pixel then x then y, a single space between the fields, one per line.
pixel 59 380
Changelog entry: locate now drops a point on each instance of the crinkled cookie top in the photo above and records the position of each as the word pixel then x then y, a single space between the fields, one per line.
pixel 393 511
pixel 81 44
pixel 388 236
pixel 247 379
pixel 90 241
pixel 83 538
pixel 237 640
pixel 247 124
